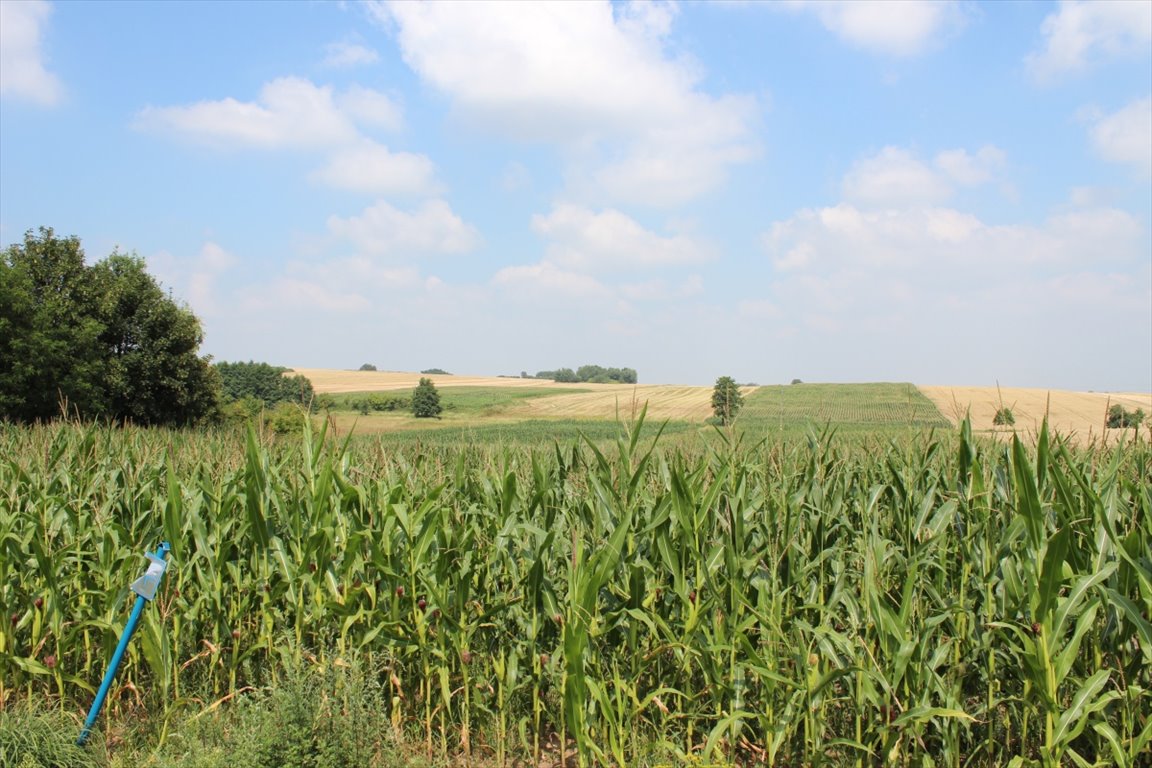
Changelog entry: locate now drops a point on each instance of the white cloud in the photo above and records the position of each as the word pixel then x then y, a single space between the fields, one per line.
pixel 535 280
pixel 894 177
pixel 302 295
pixel 347 55
pixel 632 120
pixel 1125 136
pixel 22 71
pixel 290 112
pixel 370 107
pixel 900 291
pixel 971 170
pixel 194 279
pixel 1082 34
pixel 371 167
pixel 889 27
pixel 384 230
pixel 582 240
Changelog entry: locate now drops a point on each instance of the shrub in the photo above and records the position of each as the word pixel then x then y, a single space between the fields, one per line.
pixel 1004 417
pixel 426 400
pixel 1120 417
pixel 367 367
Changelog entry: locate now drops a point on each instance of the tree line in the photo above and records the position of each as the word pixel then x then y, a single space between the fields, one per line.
pixel 590 374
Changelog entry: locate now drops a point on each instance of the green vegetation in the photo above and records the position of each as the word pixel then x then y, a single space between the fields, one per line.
pixel 367 367
pixel 264 384
pixel 426 400
pixel 821 601
pixel 848 407
pixel 591 374
pixel 436 372
pixel 100 341
pixel 1120 417
pixel 726 400
pixel 1004 417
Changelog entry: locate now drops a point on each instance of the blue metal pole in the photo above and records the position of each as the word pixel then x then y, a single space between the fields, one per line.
pixel 145 588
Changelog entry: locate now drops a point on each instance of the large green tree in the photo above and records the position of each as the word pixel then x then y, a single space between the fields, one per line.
pixel 101 341
pixel 265 383
pixel 426 400
pixel 726 399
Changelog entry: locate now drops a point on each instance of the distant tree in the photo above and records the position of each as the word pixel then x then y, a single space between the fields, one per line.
pixel 565 376
pixel 265 383
pixel 436 372
pixel 1004 417
pixel 426 400
pixel 367 367
pixel 102 341
pixel 726 399
pixel 797 381
pixel 1120 417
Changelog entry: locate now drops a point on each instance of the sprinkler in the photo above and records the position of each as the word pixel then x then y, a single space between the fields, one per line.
pixel 145 588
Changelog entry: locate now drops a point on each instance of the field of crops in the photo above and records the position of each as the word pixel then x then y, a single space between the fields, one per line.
pixel 931 599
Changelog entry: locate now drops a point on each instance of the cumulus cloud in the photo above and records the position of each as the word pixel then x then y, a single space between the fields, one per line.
pixel 1125 136
pixel 388 231
pixel 290 112
pixel 632 119
pixel 1083 34
pixel 22 71
pixel 371 167
pixel 347 55
pixel 293 113
pixel 896 177
pixel 889 27
pixel 586 241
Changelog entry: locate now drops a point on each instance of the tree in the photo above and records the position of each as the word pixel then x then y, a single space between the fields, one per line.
pixel 103 341
pixel 426 400
pixel 264 383
pixel 367 367
pixel 152 374
pixel 726 399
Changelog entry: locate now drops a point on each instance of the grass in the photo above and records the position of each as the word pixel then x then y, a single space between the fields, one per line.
pixel 847 407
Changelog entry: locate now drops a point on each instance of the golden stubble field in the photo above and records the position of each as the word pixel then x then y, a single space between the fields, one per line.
pixel 1078 414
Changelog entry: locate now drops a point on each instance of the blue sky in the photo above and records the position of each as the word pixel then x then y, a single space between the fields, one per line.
pixel 942 193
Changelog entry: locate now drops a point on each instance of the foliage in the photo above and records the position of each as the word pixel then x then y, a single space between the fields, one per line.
pixel 1120 417
pixel 101 342
pixel 329 715
pixel 726 399
pixel 1004 417
pixel 264 383
pixel 591 374
pixel 367 367
pixel 797 381
pixel 436 372
pixel 802 602
pixel 35 738
pixel 426 400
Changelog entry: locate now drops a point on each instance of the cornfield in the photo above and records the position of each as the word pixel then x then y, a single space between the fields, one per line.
pixel 925 600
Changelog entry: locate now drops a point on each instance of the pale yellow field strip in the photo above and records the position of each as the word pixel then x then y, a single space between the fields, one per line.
pixel 332 381
pixel 1079 413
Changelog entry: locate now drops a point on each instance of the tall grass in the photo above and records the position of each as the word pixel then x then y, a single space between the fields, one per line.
pixel 926 599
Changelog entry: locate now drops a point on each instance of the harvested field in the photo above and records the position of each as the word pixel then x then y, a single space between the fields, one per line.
pixel 1080 415
pixel 333 381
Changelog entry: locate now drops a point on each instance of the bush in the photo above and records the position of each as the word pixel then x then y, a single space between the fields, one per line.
pixel 367 367
pixel 1004 417
pixel 1120 417
pixel 315 718
pixel 426 400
